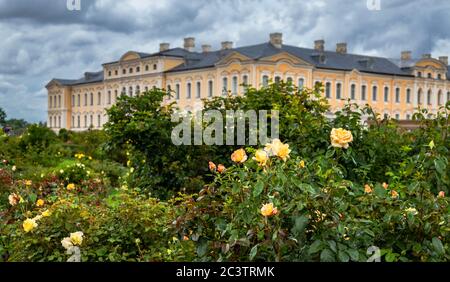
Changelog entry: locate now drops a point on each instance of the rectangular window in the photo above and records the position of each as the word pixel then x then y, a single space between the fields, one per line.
pixel 386 94
pixel 199 90
pixel 210 88
pixel 338 91
pixel 50 102
pixel 177 91
pixel 99 120
pixel 224 86
pixel 353 92
pixel 363 92
pixel 265 80
pixel 235 85
pixel 99 98
pixel 374 93
pixel 188 90
pixel 328 90
pixel 92 121
pixel 397 95
pixel 59 101
pixel 109 97
pixel 408 96
pixel 73 100
pixel 301 82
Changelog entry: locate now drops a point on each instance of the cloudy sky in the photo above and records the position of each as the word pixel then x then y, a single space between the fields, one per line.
pixel 42 39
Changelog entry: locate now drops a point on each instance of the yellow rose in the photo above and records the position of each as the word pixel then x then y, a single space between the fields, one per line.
pixel 268 210
pixel 46 213
pixel 29 224
pixel 76 238
pixel 221 168
pixel 239 156
pixel 39 203
pixel 70 186
pixel 277 148
pixel 341 137
pixel 367 189
pixel 261 157
pixel 441 194
pixel 385 185
pixel 28 182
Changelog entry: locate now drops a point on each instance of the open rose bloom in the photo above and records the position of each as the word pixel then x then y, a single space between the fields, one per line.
pixel 340 138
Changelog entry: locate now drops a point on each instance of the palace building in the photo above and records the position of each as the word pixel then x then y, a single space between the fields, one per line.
pixel 394 87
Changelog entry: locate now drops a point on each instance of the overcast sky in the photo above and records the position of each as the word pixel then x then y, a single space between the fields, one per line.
pixel 42 39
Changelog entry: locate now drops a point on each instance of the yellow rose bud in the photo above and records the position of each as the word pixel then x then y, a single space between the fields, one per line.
pixel 76 238
pixel 367 189
pixel 385 185
pixel 394 194
pixel 268 210
pixel 39 203
pixel 302 164
pixel 212 166
pixel 46 213
pixel 221 168
pixel 70 186
pixel 340 138
pixel 239 156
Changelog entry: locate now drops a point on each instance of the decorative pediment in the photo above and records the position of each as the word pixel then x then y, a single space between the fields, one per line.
pixel 52 84
pixel 431 63
pixel 130 56
pixel 233 57
pixel 285 57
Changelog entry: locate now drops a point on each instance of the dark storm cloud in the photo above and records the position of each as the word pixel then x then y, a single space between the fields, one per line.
pixel 41 39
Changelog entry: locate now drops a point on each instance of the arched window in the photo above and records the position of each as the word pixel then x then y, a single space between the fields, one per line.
pixel 54 101
pixel 116 72
pixel 289 80
pixel 408 96
pixel 85 121
pixel 199 90
pixel 419 97
pixel 177 91
pixel 429 97
pixel 73 100
pixel 439 76
pixel 408 116
pixel 99 120
pixel 363 92
pixel 397 116
pixel 109 97
pixel 353 92
pixel 79 123
pixel 79 100
pixel 419 74
pixel 92 99
pixel 130 70
pixel 92 121
pixel 265 80
pixel 338 90
pixel 301 83
pixel 210 88
pixel 138 90
pixel 440 97
pixel 374 92
pixel 188 90
pixel 59 101
pixel 130 91
pixel 124 71
pixel 109 73
pixel 224 86
pixel 328 90
pixel 73 122
pixel 277 79
pixel 146 68
pixel 429 75
pixel 397 95
pixel 234 85
pixel 124 91
pixel 115 95
pixel 155 66
pixel 99 98
pixel 85 99
pixel 138 69
pixel 51 121
pixel 50 102
pixel 386 94
pixel 244 83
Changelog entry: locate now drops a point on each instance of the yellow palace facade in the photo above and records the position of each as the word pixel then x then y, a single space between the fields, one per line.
pixel 394 87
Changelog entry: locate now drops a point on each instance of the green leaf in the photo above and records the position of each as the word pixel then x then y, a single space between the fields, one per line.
pixel 332 245
pixel 258 188
pixel 343 256
pixel 253 252
pixel 327 256
pixel 32 198
pixel 437 244
pixel 440 164
pixel 354 255
pixel 202 248
pixel 299 224
pixel 390 257
pixel 315 247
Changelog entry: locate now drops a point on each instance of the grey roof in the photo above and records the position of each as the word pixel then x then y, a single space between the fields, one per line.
pixel 89 77
pixel 323 60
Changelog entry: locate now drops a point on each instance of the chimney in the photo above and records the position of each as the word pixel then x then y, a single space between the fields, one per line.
pixel 164 47
pixel 444 59
pixel 189 44
pixel 406 55
pixel 426 56
pixel 206 48
pixel 341 48
pixel 319 45
pixel 227 45
pixel 276 39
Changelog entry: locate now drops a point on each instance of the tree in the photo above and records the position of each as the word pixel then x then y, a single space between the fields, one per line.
pixel 2 116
